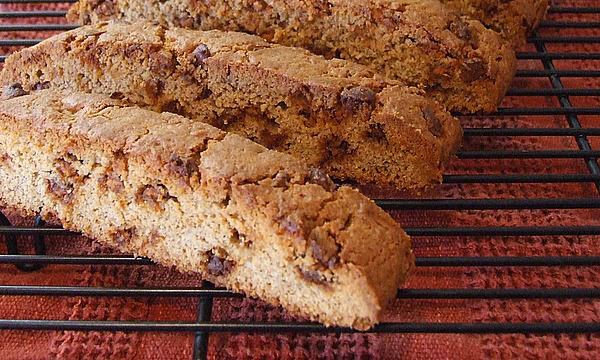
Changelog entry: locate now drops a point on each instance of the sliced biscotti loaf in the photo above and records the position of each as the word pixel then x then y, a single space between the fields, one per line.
pixel 334 114
pixel 513 19
pixel 421 42
pixel 189 195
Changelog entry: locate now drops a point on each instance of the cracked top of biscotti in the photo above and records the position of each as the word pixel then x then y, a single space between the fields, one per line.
pixel 295 63
pixel 331 225
pixel 421 42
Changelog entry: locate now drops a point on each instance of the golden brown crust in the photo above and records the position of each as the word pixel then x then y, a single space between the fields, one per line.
pixel 334 114
pixel 194 197
pixel 465 66
pixel 514 19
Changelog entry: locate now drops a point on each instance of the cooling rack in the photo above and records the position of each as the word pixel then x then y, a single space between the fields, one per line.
pixel 574 128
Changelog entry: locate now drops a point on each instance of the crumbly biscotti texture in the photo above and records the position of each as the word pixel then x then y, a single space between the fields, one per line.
pixel 514 19
pixel 188 195
pixel 334 114
pixel 465 66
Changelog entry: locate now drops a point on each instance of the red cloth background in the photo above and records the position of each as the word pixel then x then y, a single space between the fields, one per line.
pixel 72 344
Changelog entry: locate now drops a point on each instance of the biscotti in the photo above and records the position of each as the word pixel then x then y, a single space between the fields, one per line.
pixel 465 66
pixel 334 114
pixel 514 19
pixel 188 195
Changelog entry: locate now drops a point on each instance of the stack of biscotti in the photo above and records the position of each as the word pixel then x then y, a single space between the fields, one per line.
pixel 513 19
pixel 456 59
pixel 189 195
pixel 334 114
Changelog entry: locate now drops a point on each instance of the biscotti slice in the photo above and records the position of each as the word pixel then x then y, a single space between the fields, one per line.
pixel 421 42
pixel 334 114
pixel 186 194
pixel 514 19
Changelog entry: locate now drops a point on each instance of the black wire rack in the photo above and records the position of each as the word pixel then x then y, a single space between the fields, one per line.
pixel 204 326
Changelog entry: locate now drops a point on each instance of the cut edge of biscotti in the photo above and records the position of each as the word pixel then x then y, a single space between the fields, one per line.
pixel 334 114
pixel 188 195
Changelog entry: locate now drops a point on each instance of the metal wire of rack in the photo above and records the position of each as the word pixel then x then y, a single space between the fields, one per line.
pixel 204 326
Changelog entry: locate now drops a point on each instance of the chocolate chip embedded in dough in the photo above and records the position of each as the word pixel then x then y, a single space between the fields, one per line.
pixel 356 96
pixel 106 9
pixel 376 132
pixel 281 179
pixel 218 265
pixel 319 177
pixel 324 248
pixel 460 29
pixel 154 196
pixel 114 183
pixel 62 191
pixel 12 91
pixel 200 54
pixel 313 276
pixel 473 71
pixel 182 167
pixel 161 62
pixel 123 236
pixel 433 123
pixel 41 85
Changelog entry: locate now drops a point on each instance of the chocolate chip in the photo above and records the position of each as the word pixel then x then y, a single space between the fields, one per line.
pixel 237 238
pixel 66 169
pixel 309 120
pixel 281 179
pixel 12 91
pixel 319 177
pixel 62 191
pixel 473 71
pixel 205 94
pixel 41 86
pixel 123 236
pixel 155 238
pixel 200 54
pixel 301 97
pixel 356 96
pixel 376 132
pixel 173 106
pixel 154 196
pixel 154 87
pixel 219 265
pixel 185 21
pixel 290 226
pixel 313 276
pixel 161 62
pixel 433 123
pixel 460 29
pixel 116 95
pixel 182 167
pixel 106 9
pixel 114 183
pixel 5 158
pixel 324 248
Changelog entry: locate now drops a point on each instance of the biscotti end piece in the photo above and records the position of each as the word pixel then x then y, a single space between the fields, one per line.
pixel 188 195
pixel 420 42
pixel 470 72
pixel 334 114
pixel 514 19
